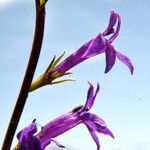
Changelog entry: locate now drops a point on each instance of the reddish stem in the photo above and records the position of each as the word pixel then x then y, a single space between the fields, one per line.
pixel 32 63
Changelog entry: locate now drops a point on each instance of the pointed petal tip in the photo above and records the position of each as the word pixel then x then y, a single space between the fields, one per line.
pixel 112 136
pixel 131 67
pixel 34 120
pixel 125 60
pixel 107 69
pixel 57 143
pixel 62 146
pixel 112 11
pixel 98 86
pixel 90 84
pixel 132 70
pixel 110 133
pixel 98 147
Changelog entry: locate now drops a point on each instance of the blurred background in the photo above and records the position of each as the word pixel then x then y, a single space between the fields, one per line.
pixel 123 101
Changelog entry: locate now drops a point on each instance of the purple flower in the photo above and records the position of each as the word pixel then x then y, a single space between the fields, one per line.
pixel 27 140
pixel 96 46
pixel 30 141
pixel 99 44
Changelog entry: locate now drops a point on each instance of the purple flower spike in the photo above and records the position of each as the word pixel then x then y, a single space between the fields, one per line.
pixel 96 46
pixel 58 126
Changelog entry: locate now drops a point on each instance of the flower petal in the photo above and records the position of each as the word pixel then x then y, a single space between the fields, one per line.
pixel 89 101
pixel 113 37
pixel 27 141
pixel 97 46
pixel 90 97
pixel 110 57
pixel 105 131
pixel 96 123
pixel 97 90
pixel 112 22
pixel 101 129
pixel 92 118
pixel 93 134
pixel 125 60
pixel 57 143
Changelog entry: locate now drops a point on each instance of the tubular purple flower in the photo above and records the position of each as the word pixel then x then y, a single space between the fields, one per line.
pixel 64 123
pixel 96 46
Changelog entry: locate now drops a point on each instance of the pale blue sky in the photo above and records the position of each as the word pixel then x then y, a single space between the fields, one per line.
pixel 123 101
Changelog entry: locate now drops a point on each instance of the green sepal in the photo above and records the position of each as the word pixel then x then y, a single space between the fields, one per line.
pixel 56 62
pixel 45 78
pixel 67 73
pixel 39 82
pixel 55 74
pixel 42 2
pixel 50 65
pixel 16 147
pixel 61 81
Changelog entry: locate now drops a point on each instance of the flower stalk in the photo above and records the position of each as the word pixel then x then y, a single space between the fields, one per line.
pixel 32 63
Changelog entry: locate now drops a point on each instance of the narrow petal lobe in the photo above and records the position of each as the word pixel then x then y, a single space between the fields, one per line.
pixel 125 60
pixel 110 58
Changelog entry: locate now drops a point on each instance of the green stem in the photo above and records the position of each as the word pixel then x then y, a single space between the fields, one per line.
pixel 34 56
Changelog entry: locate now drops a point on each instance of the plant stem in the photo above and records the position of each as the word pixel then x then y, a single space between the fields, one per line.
pixel 32 63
